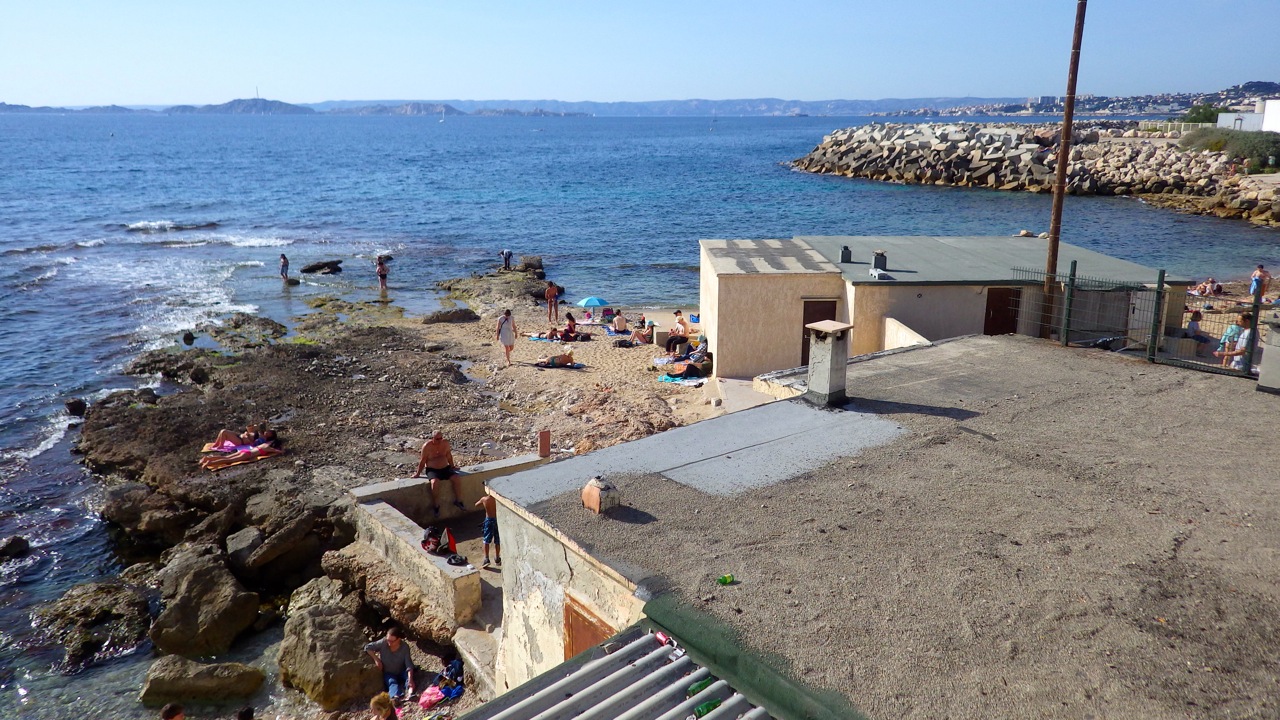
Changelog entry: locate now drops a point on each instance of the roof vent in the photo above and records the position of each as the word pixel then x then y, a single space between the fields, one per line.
pixel 880 261
pixel 846 255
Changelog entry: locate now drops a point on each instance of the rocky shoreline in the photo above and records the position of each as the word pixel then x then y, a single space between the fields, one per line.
pixel 220 557
pixel 1108 158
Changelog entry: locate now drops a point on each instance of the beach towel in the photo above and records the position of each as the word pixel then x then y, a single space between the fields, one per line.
pixel 609 329
pixel 574 366
pixel 664 360
pixel 535 339
pixel 687 382
pixel 246 461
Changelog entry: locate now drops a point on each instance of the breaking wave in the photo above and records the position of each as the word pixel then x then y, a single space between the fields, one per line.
pixel 166 226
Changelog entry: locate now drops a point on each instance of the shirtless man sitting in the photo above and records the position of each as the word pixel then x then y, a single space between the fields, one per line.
pixel 437 460
pixel 619 323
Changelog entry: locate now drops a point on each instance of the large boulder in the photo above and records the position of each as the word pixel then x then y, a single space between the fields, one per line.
pixel 387 592
pixel 205 606
pixel 176 679
pixel 324 267
pixel 14 546
pixel 322 655
pixel 97 621
pixel 453 315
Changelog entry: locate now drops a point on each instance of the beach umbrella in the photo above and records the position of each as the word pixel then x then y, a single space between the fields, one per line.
pixel 593 301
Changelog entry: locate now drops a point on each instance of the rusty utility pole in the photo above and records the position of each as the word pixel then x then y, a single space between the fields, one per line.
pixel 1049 308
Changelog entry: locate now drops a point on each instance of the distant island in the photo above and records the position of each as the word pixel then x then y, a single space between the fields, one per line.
pixel 1155 105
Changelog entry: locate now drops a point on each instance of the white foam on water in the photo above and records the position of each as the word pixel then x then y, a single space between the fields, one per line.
pixel 252 242
pixel 151 226
pixel 91 243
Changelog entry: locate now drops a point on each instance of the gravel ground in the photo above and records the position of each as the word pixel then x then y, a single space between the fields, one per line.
pixel 1063 533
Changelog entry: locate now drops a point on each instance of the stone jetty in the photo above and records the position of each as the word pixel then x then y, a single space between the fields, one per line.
pixel 1106 159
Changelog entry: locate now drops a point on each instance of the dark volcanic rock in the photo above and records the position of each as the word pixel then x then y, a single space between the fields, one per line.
pixel 76 407
pixel 173 364
pixel 325 267
pixel 176 679
pixel 205 606
pixel 242 330
pixel 454 315
pixel 97 621
pixel 14 546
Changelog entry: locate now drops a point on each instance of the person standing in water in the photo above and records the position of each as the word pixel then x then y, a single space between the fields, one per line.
pixel 381 268
pixel 284 267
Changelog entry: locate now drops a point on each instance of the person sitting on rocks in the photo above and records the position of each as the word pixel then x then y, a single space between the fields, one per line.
pixel 437 460
pixel 391 655
pixel 382 707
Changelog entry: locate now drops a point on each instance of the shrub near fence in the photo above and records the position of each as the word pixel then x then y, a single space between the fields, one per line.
pixel 1261 148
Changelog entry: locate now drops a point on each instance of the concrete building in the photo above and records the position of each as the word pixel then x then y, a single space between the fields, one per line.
pixel 1265 117
pixel 757 295
pixel 994 527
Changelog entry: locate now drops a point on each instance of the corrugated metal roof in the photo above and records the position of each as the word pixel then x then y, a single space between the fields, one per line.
pixel 646 679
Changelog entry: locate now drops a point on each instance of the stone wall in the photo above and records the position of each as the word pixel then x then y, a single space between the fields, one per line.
pixel 1104 161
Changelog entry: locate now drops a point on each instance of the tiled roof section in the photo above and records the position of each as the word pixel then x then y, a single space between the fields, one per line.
pixel 647 679
pixel 739 257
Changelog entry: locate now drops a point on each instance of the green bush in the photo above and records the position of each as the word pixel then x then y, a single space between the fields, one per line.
pixel 1203 114
pixel 1258 147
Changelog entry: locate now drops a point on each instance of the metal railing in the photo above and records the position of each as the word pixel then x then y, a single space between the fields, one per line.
pixel 1170 126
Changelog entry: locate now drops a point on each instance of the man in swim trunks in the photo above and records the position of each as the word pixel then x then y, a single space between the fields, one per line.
pixel 552 294
pixel 437 460
pixel 489 530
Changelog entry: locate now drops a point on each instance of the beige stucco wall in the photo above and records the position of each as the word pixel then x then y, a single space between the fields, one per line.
pixel 936 312
pixel 540 568
pixel 759 319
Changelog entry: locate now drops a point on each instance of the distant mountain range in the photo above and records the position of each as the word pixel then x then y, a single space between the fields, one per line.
pixel 758 107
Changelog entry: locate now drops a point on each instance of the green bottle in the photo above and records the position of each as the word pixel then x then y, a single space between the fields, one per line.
pixel 725 579
pixel 698 687
pixel 705 708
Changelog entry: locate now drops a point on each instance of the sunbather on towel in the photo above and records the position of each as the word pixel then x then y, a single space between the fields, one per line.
pixel 619 323
pixel 229 438
pixel 564 359
pixel 269 448
pixel 552 334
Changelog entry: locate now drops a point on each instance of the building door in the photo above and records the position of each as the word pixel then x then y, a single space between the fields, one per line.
pixel 582 629
pixel 814 311
pixel 1002 311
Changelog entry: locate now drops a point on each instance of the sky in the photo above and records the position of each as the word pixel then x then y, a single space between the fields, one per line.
pixel 136 52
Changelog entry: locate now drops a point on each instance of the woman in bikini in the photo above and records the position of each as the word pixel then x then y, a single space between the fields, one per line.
pixel 269 448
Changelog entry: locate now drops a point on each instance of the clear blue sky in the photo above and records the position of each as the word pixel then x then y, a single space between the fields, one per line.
pixel 58 52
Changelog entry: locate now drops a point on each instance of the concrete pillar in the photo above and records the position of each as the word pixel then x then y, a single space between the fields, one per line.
pixel 544 443
pixel 828 358
pixel 1269 363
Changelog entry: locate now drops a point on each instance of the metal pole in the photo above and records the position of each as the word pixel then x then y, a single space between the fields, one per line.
pixel 1253 333
pixel 1060 176
pixel 1071 296
pixel 1157 319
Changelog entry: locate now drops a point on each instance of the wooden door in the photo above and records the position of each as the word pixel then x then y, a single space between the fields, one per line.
pixel 814 311
pixel 1002 311
pixel 582 629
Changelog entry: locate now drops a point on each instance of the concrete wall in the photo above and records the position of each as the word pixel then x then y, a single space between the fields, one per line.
pixel 412 496
pixel 1246 121
pixel 759 318
pixel 1271 116
pixel 897 335
pixel 936 312
pixel 540 568
pixel 454 591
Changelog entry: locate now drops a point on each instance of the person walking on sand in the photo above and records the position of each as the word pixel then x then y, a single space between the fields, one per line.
pixel 507 333
pixel 552 295
pixel 1259 281
pixel 505 254
pixel 284 267
pixel 489 530
pixel 381 268
pixel 437 460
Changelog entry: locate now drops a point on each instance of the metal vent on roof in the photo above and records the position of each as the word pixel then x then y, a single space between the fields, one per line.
pixel 644 680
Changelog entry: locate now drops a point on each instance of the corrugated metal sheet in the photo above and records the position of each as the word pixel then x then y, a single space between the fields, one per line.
pixel 646 679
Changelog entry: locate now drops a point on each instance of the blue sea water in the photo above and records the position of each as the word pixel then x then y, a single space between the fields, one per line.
pixel 119 232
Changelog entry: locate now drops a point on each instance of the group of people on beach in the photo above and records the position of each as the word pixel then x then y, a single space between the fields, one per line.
pixel 232 448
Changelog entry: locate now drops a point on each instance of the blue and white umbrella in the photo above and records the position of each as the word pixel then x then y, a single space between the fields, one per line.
pixel 593 301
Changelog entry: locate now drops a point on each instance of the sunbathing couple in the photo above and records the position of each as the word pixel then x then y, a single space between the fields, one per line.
pixel 1208 288
pixel 568 334
pixel 255 443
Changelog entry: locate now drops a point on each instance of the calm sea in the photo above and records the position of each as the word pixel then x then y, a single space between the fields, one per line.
pixel 119 232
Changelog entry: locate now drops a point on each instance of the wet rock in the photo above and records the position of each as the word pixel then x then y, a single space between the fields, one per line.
pixel 188 338
pixel 322 655
pixel 14 546
pixel 324 267
pixel 205 606
pixel 176 679
pixel 199 375
pixel 454 315
pixel 172 364
pixel 97 621
pixel 243 330
pixel 387 592
pixel 76 407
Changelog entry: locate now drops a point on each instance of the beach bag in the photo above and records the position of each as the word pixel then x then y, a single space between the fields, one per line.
pixel 623 343
pixel 431 539
pixel 430 698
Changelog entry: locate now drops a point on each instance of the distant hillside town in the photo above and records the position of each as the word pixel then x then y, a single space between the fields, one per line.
pixel 1240 97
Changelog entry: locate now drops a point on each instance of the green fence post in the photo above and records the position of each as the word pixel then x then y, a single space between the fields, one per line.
pixel 1066 311
pixel 1157 320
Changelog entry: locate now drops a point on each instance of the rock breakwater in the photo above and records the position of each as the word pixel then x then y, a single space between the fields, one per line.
pixel 1106 159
